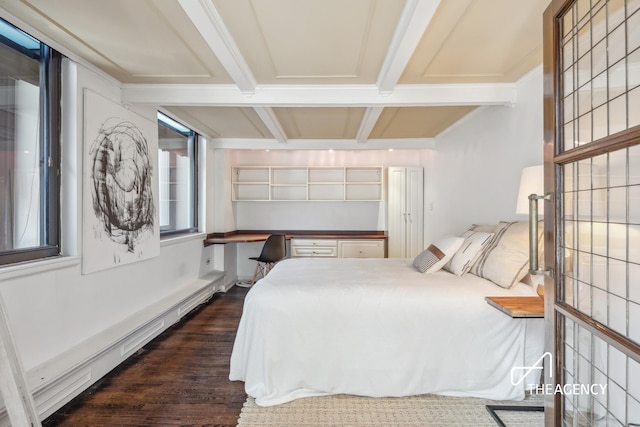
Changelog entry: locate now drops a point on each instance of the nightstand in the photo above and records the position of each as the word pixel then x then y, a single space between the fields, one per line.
pixel 518 308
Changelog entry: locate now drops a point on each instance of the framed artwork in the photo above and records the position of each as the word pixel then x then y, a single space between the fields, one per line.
pixel 120 186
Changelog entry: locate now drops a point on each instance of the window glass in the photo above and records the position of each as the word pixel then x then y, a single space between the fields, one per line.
pixel 177 171
pixel 29 123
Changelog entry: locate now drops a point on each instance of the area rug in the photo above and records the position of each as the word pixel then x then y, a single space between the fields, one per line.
pixel 356 411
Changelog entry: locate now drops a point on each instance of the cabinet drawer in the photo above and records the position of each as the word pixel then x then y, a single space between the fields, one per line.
pixel 314 251
pixel 314 242
pixel 361 248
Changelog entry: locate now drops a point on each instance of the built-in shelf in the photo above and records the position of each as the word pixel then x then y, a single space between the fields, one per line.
pixel 283 183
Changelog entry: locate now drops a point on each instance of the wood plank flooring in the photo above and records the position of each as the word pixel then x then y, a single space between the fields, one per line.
pixel 180 378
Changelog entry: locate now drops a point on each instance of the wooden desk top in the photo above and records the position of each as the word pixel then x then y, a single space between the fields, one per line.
pixel 518 306
pixel 236 238
pixel 259 236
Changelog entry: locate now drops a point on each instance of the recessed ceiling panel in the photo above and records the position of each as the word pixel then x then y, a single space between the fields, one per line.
pixel 416 122
pixel 223 122
pixel 142 41
pixel 324 123
pixel 479 41
pixel 328 41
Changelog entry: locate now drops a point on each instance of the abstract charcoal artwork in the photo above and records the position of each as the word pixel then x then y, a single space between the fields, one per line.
pixel 120 187
pixel 121 183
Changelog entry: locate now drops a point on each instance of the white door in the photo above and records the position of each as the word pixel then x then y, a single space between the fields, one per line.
pixel 405 212
pixel 415 212
pixel 396 213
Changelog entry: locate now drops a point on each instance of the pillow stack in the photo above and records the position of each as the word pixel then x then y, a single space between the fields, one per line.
pixel 499 253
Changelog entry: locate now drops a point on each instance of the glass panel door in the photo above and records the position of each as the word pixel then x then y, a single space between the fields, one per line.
pixel 592 165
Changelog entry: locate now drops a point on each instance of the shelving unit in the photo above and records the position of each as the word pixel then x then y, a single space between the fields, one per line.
pixel 284 183
pixel 251 183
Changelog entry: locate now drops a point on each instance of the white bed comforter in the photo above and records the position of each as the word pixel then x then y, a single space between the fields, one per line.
pixel 377 327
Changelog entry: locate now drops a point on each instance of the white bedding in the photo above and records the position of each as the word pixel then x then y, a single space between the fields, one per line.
pixel 377 327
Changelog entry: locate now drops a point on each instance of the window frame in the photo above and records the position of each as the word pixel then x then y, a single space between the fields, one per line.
pixel 49 140
pixel 193 140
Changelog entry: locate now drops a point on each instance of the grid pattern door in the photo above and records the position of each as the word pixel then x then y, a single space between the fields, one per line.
pixel 594 128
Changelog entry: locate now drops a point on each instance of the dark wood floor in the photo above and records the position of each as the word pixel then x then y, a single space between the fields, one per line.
pixel 180 378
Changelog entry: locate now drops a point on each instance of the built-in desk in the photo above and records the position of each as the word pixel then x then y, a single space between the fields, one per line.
pixel 344 244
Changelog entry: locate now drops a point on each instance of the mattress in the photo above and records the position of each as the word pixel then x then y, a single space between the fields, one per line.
pixel 377 327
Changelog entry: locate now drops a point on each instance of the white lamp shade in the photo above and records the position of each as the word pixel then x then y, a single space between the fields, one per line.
pixel 531 182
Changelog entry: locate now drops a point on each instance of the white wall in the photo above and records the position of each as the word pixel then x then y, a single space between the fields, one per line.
pixel 474 173
pixel 51 306
pixel 281 215
pixel 318 215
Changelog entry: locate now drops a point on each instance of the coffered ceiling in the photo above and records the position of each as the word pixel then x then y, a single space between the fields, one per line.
pixel 301 73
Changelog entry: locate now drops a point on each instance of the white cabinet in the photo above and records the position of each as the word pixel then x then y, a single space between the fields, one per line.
pixel 405 214
pixel 284 183
pixel 314 248
pixel 342 248
pixel 361 248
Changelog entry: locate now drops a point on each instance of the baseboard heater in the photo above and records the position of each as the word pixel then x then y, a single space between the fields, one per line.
pixel 57 381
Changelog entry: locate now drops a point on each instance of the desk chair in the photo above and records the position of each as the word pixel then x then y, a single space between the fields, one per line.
pixel 274 250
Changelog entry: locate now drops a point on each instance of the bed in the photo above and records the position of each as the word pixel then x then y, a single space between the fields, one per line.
pixel 379 328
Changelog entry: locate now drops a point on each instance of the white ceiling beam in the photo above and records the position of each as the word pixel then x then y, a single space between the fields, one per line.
pixel 321 95
pixel 210 25
pixel 322 144
pixel 413 22
pixel 272 123
pixel 368 122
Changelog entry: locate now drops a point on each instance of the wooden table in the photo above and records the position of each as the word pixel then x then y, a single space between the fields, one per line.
pixel 518 307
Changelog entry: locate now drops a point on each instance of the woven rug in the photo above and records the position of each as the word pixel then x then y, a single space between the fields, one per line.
pixel 356 411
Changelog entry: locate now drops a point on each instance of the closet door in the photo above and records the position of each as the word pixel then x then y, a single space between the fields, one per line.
pixel 396 213
pixel 405 212
pixel 415 213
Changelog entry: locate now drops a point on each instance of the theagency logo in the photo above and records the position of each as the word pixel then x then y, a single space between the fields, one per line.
pixel 519 375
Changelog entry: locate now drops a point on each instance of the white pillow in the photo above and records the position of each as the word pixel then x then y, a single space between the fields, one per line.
pixel 506 261
pixel 497 231
pixel 437 254
pixel 474 244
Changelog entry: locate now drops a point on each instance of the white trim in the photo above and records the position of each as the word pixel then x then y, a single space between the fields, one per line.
pixel 322 144
pixel 210 24
pixel 369 120
pixel 415 19
pixel 59 380
pixel 321 95
pixel 37 266
pixel 272 123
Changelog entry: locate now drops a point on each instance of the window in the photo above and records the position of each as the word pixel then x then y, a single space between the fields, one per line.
pixel 178 172
pixel 29 147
